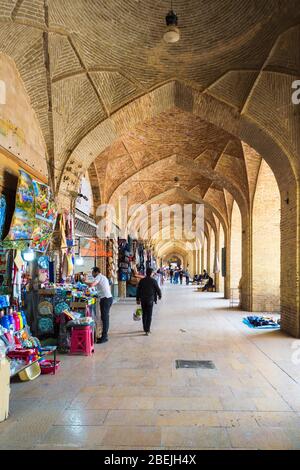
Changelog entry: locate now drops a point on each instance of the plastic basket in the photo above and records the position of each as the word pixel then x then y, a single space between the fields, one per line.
pixel 47 366
pixel 30 373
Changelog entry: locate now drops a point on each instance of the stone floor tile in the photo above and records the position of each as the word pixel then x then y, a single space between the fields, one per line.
pixel 74 436
pixel 198 437
pixel 263 438
pixel 81 418
pixel 132 436
pixel 188 404
pixel 188 418
pixel 131 418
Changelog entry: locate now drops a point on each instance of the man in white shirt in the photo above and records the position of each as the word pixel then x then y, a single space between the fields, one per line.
pixel 101 283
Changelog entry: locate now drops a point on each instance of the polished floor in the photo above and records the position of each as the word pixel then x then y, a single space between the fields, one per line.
pixel 130 395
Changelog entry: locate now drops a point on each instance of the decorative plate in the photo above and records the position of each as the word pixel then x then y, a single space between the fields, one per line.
pixel 43 262
pixel 45 308
pixel 60 307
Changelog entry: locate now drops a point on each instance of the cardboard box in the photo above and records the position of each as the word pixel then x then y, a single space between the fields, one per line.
pixel 4 389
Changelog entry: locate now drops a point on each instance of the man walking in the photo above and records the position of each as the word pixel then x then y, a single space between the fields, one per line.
pixel 101 283
pixel 147 293
pixel 171 276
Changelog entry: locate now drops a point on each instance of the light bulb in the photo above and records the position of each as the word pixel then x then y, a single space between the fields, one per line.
pixel 172 34
pixel 79 261
pixel 28 255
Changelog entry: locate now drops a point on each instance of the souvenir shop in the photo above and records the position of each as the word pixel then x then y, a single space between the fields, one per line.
pixel 45 304
pixel 134 258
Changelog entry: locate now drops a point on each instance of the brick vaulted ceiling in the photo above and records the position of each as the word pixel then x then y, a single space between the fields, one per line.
pixel 83 60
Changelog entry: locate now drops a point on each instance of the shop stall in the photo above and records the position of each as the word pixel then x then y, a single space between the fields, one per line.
pixel 43 308
pixel 135 256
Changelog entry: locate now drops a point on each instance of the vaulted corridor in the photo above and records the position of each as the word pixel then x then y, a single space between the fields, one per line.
pixel 130 394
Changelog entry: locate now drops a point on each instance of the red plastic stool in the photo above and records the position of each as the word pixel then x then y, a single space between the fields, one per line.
pixel 82 341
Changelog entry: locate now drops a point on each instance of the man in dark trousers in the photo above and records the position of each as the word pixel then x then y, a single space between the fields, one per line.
pixel 102 286
pixel 147 293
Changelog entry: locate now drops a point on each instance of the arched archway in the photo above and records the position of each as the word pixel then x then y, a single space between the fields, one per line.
pixel 243 127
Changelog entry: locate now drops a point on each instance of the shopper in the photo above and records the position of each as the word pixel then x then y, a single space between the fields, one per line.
pixel 176 276
pixel 187 277
pixel 147 292
pixel 101 283
pixel 209 284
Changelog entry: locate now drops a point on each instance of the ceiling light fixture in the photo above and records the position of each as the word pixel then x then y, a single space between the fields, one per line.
pixel 172 33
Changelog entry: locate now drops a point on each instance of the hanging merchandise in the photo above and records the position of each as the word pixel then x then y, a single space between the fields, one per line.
pixel 44 208
pixel 51 271
pixel 3 207
pixel 18 260
pixel 43 276
pixel 34 217
pixel 123 260
pixel 45 326
pixel 24 217
pixel 43 262
pixel 45 308
pixel 60 308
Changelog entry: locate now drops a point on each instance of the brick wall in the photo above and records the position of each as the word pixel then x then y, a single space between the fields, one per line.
pixel 266 242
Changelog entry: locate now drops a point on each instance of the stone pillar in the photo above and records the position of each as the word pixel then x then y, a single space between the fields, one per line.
pixel 209 267
pixel 122 289
pixel 246 280
pixel 217 260
pixel 228 255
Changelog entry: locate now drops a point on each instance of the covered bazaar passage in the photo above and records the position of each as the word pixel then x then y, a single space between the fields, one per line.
pixel 130 144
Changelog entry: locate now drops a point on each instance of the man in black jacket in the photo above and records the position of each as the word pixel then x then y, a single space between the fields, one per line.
pixel 147 293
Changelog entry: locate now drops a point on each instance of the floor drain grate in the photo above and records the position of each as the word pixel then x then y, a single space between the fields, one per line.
pixel 181 364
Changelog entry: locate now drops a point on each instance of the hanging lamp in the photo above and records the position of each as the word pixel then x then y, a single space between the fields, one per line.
pixel 79 260
pixel 28 255
pixel 172 33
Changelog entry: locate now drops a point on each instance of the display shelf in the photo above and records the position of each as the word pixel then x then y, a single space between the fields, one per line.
pixel 45 352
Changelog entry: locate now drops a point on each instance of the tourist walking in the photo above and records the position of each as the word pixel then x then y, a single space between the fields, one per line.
pixel 147 292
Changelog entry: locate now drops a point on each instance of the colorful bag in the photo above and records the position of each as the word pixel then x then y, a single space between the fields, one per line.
pixel 137 315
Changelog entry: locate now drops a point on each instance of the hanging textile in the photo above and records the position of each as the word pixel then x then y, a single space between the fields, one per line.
pixel 2 214
pixel 34 217
pixel 216 264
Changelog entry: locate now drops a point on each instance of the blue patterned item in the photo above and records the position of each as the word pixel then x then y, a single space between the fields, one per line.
pixel 43 262
pixel 60 307
pixel 2 214
pixel 4 301
pixel 45 325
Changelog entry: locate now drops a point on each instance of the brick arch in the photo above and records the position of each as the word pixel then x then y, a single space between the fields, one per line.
pixel 179 95
pixel 214 175
pixel 192 198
